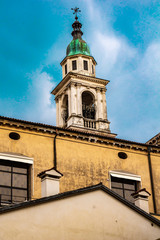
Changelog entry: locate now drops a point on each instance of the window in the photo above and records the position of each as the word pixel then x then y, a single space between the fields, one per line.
pixel 122 155
pixel 14 136
pixel 74 65
pixel 65 109
pixel 85 65
pixel 15 177
pixel 88 105
pixel 92 69
pixel 66 69
pixel 124 184
pixel 124 187
pixel 14 180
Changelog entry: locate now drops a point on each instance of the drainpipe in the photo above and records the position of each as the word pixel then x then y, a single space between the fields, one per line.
pixel 55 151
pixel 151 178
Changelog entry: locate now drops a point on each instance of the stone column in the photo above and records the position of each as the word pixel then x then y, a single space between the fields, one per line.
pixel 79 64
pixel 90 67
pixel 98 101
pixel 57 111
pixel 73 99
pixel 79 99
pixel 60 120
pixel 104 104
pixel 69 101
pixel 99 104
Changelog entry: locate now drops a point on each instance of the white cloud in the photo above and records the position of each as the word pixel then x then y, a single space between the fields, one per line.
pixel 42 108
pixel 111 51
pixel 133 95
pixel 150 65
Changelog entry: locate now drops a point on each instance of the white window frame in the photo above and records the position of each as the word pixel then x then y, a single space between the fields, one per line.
pixel 125 175
pixel 16 158
pixel 23 159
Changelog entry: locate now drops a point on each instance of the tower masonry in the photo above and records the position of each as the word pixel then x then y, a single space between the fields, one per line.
pixel 80 96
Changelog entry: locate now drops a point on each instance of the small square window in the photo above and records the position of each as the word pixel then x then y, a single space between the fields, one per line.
pixel 66 69
pixel 74 65
pixel 85 64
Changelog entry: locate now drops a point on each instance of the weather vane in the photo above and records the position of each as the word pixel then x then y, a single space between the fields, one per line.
pixel 76 11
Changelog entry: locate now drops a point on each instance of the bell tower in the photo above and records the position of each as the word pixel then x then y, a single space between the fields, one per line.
pixel 80 96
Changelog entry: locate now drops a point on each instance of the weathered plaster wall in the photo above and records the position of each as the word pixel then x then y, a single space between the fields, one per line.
pixel 32 144
pixel 85 163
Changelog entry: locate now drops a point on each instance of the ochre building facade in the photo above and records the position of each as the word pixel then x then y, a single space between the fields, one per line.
pixel 83 158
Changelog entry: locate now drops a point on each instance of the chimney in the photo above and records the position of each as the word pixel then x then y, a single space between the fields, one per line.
pixel 50 182
pixel 141 199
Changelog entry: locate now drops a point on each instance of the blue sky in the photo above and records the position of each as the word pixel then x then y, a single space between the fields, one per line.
pixel 124 38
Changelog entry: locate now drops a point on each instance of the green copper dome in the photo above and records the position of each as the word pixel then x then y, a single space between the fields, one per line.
pixel 77 46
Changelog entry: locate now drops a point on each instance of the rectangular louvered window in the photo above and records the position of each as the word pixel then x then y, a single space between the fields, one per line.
pixel 92 69
pixel 66 69
pixel 85 64
pixel 74 65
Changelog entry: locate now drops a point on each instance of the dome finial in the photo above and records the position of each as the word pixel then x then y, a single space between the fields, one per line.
pixel 77 45
pixel 76 10
pixel 76 33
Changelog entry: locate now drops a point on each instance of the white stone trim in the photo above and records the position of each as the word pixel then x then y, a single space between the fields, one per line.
pixel 22 159
pixel 125 175
pixel 16 158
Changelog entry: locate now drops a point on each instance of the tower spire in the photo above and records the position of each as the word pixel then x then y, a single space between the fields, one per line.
pixel 76 33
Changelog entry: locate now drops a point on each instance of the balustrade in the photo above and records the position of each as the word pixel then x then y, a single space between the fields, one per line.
pixel 88 123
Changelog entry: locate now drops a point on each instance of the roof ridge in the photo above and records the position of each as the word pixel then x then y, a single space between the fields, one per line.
pixel 76 192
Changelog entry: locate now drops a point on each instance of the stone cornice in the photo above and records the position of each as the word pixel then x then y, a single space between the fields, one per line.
pixel 76 134
pixel 78 76
pixel 78 55
pixel 155 140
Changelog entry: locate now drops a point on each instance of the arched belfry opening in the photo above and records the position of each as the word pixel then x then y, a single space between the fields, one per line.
pixel 65 109
pixel 88 105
